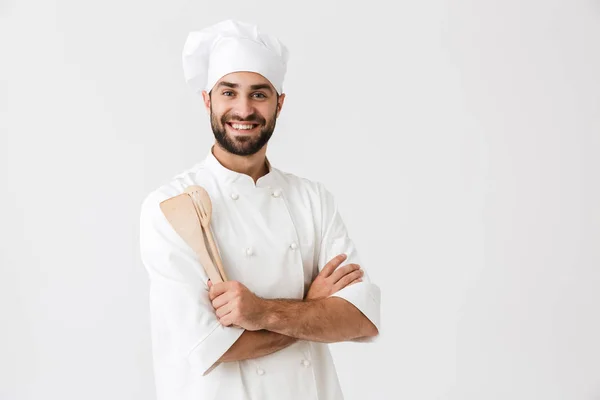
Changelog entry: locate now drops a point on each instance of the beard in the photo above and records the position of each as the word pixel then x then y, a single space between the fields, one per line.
pixel 242 145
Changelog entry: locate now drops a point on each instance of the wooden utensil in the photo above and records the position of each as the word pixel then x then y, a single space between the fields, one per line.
pixel 204 207
pixel 181 213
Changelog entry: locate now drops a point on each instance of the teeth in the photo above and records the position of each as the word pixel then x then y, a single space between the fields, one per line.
pixel 238 126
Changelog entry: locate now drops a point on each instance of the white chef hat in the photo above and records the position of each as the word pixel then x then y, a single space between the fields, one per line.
pixel 232 46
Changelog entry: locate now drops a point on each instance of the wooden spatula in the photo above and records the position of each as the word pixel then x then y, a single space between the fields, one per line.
pixel 181 213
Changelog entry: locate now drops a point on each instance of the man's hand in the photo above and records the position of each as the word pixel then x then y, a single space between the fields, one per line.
pixel 330 279
pixel 236 305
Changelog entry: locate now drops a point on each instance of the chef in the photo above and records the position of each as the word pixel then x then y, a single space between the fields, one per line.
pixel 295 279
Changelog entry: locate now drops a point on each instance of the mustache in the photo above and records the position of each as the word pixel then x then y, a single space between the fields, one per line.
pixel 252 119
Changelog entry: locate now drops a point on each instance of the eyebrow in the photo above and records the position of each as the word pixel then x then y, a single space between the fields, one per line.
pixel 261 86
pixel 228 84
pixel 252 87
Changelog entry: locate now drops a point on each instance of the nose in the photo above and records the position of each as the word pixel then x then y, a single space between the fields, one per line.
pixel 243 108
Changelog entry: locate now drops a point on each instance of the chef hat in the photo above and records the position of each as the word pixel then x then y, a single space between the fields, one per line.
pixel 232 46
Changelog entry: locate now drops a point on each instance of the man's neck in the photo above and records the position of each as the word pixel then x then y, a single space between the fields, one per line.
pixel 254 166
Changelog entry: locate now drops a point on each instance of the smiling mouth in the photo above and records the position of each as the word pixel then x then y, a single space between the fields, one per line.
pixel 242 126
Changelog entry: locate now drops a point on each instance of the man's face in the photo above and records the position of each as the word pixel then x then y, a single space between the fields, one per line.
pixel 243 109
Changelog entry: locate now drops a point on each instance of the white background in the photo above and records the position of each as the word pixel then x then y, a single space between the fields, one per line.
pixel 461 139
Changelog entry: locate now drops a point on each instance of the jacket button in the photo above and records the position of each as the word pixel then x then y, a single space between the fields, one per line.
pixel 306 363
pixel 293 246
pixel 249 251
pixel 276 193
pixel 260 371
pixel 235 196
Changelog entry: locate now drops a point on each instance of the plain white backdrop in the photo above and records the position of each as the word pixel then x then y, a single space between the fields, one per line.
pixel 461 139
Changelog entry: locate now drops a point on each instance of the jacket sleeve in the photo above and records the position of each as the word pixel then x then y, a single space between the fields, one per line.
pixel 183 321
pixel 365 295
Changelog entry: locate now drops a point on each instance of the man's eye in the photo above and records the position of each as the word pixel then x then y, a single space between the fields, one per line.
pixel 228 93
pixel 259 95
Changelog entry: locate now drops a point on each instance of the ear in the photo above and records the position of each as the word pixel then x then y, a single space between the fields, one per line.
pixel 280 103
pixel 206 99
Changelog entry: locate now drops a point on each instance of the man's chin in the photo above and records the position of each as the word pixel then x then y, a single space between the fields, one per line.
pixel 241 146
pixel 242 143
pixel 241 140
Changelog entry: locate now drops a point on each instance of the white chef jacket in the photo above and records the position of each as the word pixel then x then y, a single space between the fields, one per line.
pixel 274 237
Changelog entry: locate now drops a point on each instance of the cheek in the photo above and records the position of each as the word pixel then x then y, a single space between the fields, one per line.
pixel 218 115
pixel 268 112
pixel 218 109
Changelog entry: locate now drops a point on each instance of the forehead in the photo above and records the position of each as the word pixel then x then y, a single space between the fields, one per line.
pixel 245 79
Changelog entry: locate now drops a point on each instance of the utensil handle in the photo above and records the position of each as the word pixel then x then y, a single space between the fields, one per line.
pixel 209 267
pixel 215 252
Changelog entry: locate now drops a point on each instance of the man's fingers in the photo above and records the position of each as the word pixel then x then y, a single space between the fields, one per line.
pixel 347 279
pixel 355 281
pixel 343 271
pixel 332 265
pixel 217 289
pixel 227 320
pixel 222 299
pixel 223 311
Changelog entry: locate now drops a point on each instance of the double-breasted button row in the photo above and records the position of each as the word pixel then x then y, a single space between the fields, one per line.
pixel 275 193
pixel 249 251
pixel 305 363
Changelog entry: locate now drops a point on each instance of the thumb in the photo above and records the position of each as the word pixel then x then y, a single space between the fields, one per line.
pixel 209 284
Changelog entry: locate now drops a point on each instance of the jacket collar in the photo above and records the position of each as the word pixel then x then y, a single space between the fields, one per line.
pixel 227 176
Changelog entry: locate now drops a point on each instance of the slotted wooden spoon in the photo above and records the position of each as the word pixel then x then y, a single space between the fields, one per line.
pixel 204 208
pixel 181 213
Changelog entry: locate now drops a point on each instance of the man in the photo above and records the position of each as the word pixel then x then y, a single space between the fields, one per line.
pixel 295 280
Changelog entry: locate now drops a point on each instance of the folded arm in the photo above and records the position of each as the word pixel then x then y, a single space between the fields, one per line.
pixel 253 344
pixel 320 317
pixel 285 321
pixel 326 320
pixel 259 343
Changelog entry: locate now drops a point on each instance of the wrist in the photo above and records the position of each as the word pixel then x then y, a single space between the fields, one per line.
pixel 267 315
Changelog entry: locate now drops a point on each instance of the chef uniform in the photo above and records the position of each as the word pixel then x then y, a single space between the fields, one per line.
pixel 274 236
